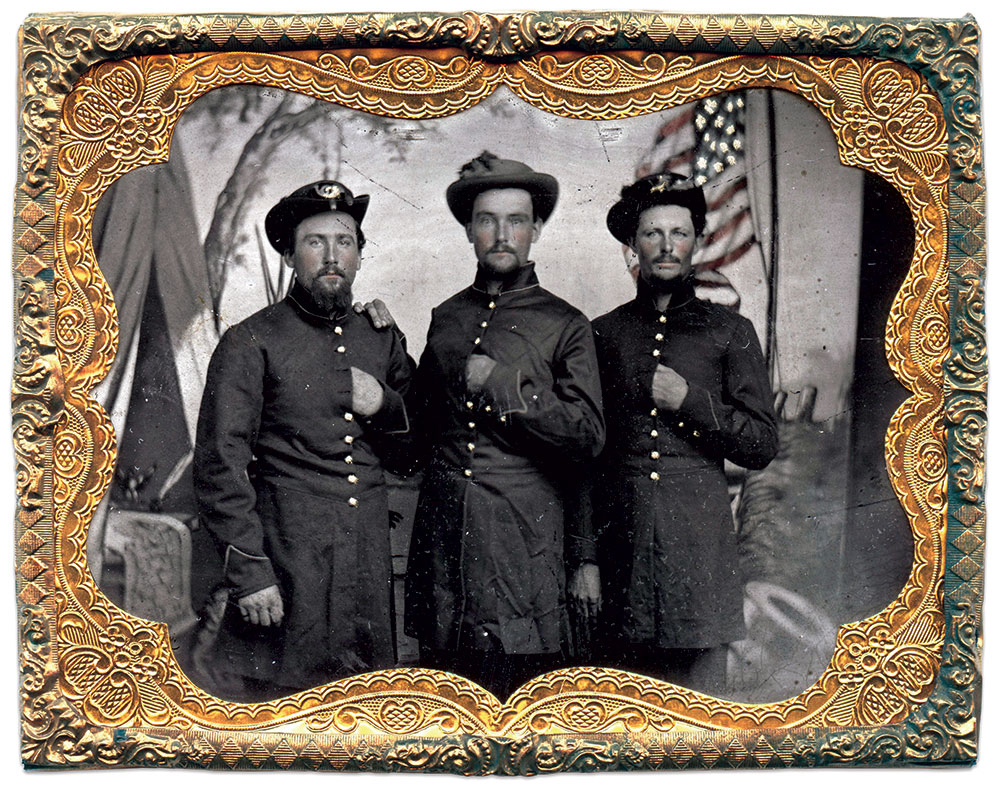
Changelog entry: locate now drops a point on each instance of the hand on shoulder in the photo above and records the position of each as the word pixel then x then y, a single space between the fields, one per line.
pixel 377 312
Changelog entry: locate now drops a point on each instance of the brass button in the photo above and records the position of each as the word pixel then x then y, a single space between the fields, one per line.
pixel 352 478
pixel 469 405
pixel 349 416
pixel 472 425
pixel 653 433
pixel 483 324
pixel 654 476
pixel 348 439
pixel 663 318
pixel 471 446
pixel 341 349
pixel 656 354
pixel 654 455
pixel 653 412
pixel 478 340
pixel 352 502
pixel 659 337
pixel 468 472
pixel 338 330
pixel 489 409
pixel 349 459
pixel 696 434
pixel 493 304
pixel 503 418
pixel 680 424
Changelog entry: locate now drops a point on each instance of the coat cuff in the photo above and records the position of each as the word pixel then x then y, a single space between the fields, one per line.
pixel 247 573
pixel 580 550
pixel 391 417
pixel 502 391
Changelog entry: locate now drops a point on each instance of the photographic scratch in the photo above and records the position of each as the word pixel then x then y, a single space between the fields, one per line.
pixel 605 134
pixel 384 187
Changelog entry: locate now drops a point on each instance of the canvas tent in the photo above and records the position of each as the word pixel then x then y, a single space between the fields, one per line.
pixel 146 241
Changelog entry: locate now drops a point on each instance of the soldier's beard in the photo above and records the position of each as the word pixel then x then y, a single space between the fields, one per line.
pixel 331 298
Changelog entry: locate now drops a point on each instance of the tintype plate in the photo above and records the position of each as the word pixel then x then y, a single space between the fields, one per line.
pixel 842 164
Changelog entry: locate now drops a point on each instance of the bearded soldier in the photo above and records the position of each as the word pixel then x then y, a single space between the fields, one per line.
pixel 304 404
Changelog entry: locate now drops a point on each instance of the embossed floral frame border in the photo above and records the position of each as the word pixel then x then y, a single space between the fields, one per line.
pixel 101 688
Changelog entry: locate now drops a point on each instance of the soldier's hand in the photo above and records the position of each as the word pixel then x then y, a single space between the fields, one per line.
pixel 263 608
pixel 669 388
pixel 378 313
pixel 585 590
pixel 477 370
pixel 367 395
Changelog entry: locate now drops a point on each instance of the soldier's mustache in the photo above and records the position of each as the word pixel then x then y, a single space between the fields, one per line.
pixel 501 249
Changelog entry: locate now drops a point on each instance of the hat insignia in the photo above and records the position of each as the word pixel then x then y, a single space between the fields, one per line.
pixel 660 186
pixel 329 191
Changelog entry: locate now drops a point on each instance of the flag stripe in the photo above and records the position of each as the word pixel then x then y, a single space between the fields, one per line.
pixel 730 257
pixel 741 233
pixel 679 121
pixel 717 199
pixel 729 225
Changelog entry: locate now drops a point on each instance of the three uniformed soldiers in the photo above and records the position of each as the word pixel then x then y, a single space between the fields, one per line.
pixel 305 403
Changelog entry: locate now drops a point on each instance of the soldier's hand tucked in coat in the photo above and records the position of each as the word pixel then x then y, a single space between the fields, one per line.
pixel 367 394
pixel 669 388
pixel 477 371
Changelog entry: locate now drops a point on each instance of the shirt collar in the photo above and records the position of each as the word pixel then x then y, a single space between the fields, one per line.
pixel 522 278
pixel 300 298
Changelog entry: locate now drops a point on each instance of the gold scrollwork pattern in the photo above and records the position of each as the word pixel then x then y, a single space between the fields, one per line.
pixel 402 715
pixel 87 667
pixel 54 732
pixel 861 99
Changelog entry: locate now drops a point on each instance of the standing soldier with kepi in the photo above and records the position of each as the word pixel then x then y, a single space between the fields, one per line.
pixel 685 388
pixel 304 403
pixel 509 406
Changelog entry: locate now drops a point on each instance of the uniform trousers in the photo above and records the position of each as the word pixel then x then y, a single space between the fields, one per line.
pixel 500 673
pixel 700 669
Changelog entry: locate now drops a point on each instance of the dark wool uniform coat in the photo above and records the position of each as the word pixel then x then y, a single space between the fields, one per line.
pixel 290 484
pixel 669 553
pixel 489 556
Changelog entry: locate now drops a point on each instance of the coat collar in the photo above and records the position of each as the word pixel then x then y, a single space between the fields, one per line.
pixel 522 278
pixel 645 299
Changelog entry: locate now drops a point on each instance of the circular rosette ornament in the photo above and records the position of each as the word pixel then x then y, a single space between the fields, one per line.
pixel 896 119
pixel 115 680
pixel 888 672
pixel 112 109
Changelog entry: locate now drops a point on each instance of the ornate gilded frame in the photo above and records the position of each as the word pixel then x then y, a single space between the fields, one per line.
pixel 99 96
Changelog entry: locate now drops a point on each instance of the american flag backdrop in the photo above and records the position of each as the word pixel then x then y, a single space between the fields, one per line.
pixel 706 140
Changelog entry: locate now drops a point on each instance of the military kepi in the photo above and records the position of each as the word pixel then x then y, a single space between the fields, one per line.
pixel 654 191
pixel 489 172
pixel 312 199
